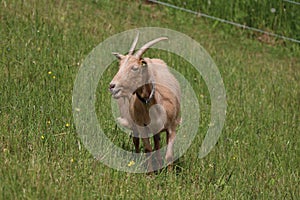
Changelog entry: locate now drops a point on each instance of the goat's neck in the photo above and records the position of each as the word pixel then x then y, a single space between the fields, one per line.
pixel 145 93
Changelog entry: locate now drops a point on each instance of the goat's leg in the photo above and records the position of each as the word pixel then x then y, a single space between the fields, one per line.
pixel 171 134
pixel 136 141
pixel 148 149
pixel 168 135
pixel 157 148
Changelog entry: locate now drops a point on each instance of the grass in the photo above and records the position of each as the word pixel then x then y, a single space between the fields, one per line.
pixel 42 157
pixel 279 17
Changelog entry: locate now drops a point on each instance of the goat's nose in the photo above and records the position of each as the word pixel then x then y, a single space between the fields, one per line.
pixel 112 86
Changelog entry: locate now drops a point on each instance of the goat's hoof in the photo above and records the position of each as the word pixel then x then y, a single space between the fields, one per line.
pixel 170 168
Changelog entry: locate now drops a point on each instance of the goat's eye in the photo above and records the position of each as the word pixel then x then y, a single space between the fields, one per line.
pixel 144 64
pixel 134 68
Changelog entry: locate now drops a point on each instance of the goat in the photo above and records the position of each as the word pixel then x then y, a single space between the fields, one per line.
pixel 148 96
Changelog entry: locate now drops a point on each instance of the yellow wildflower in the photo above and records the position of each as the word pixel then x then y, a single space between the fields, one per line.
pixel 131 163
pixel 49 72
pixel 67 125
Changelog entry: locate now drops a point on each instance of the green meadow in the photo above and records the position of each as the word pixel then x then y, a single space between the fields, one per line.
pixel 44 43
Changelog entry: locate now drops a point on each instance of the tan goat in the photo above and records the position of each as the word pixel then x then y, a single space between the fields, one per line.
pixel 148 98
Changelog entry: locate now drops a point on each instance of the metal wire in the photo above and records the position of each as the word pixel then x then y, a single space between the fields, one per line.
pixel 293 2
pixel 226 21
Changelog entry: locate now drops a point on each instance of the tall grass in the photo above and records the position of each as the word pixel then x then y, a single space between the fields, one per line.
pixel 42 45
pixel 273 16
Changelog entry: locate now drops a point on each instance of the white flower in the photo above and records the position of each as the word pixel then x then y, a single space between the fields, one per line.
pixel 273 10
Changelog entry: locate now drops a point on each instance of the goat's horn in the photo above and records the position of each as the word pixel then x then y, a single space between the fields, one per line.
pixel 148 45
pixel 133 44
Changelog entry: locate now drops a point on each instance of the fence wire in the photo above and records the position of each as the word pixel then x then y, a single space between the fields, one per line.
pixel 293 2
pixel 227 21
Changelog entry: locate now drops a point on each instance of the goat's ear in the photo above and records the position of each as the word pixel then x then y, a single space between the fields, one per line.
pixel 118 55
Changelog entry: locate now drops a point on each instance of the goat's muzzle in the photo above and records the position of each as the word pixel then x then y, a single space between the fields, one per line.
pixel 112 86
pixel 114 90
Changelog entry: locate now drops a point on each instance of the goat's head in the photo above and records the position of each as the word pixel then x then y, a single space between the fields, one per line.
pixel 133 70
